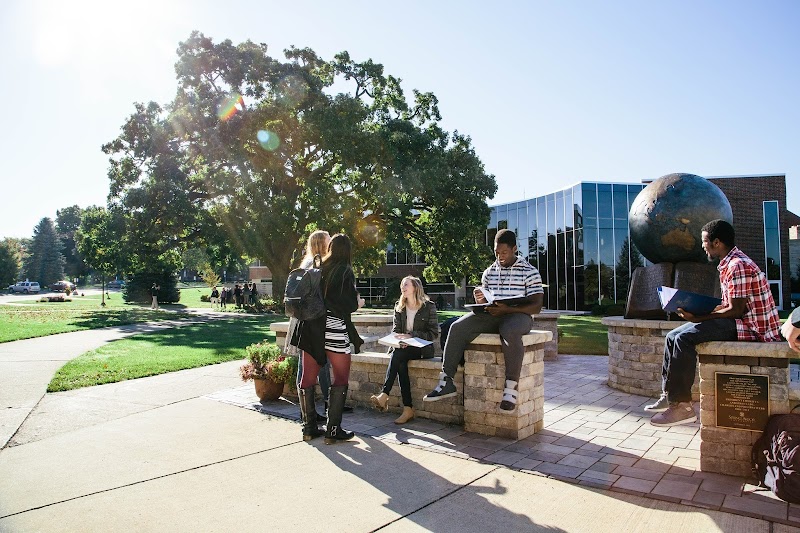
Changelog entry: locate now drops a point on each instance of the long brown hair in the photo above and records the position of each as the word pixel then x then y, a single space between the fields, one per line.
pixel 419 294
pixel 339 250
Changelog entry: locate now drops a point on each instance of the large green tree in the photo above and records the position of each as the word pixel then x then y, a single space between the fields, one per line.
pixel 67 222
pixel 254 152
pixel 9 262
pixel 44 263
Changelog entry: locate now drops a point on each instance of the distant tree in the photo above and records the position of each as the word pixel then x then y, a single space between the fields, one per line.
pixel 210 277
pixel 254 152
pixel 44 263
pixel 9 264
pixel 67 222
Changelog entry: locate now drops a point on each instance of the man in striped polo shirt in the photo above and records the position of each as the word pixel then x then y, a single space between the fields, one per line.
pixel 509 276
pixel 747 313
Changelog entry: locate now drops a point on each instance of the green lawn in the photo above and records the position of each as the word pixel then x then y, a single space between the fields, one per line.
pixel 582 335
pixel 169 350
pixel 26 322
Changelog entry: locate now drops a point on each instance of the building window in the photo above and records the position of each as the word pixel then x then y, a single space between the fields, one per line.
pixel 772 248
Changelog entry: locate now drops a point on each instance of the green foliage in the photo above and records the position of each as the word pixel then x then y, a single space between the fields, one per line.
pixel 44 263
pixel 9 263
pixel 254 151
pixel 210 277
pixel 265 360
pixel 100 239
pixel 138 288
pixel 68 220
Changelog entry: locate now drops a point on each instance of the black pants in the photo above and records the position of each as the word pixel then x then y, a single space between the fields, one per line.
pixel 398 368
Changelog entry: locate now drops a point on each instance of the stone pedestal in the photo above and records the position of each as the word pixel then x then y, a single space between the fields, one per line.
pixel 548 321
pixel 636 355
pixel 724 450
pixel 484 381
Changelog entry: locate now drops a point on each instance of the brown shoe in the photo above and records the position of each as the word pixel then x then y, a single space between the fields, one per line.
pixel 408 414
pixel 677 414
pixel 381 401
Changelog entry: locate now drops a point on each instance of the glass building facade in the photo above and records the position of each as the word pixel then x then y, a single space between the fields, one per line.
pixel 578 238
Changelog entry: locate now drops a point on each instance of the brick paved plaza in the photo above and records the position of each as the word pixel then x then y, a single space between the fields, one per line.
pixel 594 436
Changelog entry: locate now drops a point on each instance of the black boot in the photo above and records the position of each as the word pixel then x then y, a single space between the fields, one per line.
pixel 334 432
pixel 308 413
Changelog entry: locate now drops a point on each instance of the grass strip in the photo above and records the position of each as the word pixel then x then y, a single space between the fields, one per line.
pixel 150 354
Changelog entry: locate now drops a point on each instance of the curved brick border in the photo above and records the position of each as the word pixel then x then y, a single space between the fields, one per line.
pixel 636 353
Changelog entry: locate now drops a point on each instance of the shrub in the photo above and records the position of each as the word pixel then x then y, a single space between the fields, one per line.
pixel 264 359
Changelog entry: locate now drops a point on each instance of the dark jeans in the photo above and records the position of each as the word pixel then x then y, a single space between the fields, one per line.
pixel 398 368
pixel 680 354
pixel 511 328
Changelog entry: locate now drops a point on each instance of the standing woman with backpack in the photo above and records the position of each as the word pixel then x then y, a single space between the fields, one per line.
pixel 328 339
pixel 316 245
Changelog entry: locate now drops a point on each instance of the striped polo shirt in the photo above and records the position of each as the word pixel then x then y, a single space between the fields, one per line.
pixel 521 278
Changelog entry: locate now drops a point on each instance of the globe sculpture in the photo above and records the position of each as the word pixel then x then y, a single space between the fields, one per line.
pixel 667 217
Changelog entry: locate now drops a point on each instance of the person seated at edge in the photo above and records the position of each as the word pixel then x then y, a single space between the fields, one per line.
pixel 328 338
pixel 316 245
pixel 414 316
pixel 791 330
pixel 747 313
pixel 508 276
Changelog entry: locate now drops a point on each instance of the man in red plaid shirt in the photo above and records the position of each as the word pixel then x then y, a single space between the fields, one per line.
pixel 747 313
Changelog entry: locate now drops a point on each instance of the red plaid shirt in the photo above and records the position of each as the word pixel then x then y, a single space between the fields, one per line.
pixel 740 277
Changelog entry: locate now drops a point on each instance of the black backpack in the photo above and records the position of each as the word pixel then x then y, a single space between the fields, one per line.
pixel 776 457
pixel 303 296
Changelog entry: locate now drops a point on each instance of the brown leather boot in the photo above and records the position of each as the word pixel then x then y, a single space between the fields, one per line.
pixel 408 414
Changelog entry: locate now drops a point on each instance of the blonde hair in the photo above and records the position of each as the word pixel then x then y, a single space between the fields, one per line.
pixel 419 294
pixel 317 244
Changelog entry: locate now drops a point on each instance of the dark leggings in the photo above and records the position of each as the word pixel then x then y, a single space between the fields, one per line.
pixel 340 365
pixel 398 368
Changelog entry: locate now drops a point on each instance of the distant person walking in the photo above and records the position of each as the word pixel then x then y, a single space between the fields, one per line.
pixel 223 298
pixel 214 298
pixel 237 295
pixel 154 293
pixel 253 294
pixel 246 294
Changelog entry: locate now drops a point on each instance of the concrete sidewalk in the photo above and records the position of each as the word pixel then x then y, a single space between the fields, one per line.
pixel 168 453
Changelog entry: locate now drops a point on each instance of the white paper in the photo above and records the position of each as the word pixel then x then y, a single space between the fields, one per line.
pixel 394 342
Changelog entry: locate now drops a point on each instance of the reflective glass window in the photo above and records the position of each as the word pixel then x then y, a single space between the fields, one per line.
pixel 620 193
pixel 589 201
pixel 772 241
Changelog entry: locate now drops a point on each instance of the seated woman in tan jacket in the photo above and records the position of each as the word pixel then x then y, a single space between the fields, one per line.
pixel 414 316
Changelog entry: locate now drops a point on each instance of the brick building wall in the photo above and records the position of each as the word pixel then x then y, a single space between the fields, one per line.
pixel 746 195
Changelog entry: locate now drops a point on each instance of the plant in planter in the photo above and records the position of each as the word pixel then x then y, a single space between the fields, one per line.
pixel 269 369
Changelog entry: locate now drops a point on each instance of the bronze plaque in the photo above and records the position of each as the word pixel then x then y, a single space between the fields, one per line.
pixel 742 401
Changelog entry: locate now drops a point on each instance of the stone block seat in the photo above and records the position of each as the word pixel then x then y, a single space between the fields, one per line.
pixel 636 354
pixel 724 450
pixel 480 384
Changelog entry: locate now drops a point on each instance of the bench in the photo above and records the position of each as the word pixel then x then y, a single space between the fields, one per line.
pixel 480 382
pixel 727 451
pixel 480 386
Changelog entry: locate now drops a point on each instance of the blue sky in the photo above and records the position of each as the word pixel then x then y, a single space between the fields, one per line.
pixel 551 93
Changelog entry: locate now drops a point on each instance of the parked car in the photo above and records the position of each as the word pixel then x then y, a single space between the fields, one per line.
pixel 116 284
pixel 62 285
pixel 25 287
